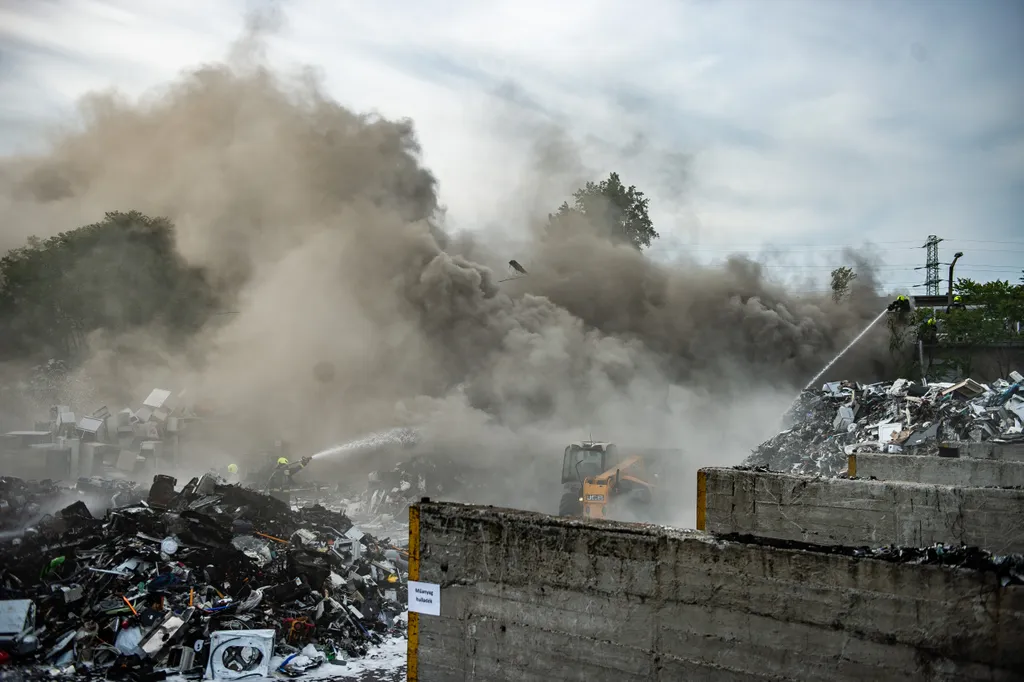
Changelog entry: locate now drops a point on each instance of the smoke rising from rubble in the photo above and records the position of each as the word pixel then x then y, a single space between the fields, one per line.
pixel 320 227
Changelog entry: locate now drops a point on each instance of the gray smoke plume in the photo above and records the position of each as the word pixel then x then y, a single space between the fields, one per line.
pixel 322 229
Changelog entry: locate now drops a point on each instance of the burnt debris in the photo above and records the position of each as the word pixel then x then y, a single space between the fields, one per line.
pixel 1008 569
pixel 158 585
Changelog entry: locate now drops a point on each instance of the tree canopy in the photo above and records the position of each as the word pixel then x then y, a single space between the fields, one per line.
pixel 118 274
pixel 612 209
pixel 842 279
pixel 993 310
pixel 990 318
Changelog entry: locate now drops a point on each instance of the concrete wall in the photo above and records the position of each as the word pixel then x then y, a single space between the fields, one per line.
pixel 1011 452
pixel 960 471
pixel 526 596
pixel 837 511
pixel 987 363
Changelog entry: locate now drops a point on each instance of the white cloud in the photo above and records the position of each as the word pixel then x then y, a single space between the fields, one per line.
pixel 808 122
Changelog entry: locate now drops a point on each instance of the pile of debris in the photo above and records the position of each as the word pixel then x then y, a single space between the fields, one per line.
pixel 389 493
pixel 107 493
pixel 22 500
pixel 845 418
pixel 104 443
pixel 215 579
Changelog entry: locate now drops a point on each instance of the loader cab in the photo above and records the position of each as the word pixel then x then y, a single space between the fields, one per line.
pixel 587 459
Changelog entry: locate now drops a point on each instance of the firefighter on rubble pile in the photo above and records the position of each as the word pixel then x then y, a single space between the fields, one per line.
pixel 281 479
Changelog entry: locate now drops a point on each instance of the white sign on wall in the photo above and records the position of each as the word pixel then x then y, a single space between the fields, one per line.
pixel 425 598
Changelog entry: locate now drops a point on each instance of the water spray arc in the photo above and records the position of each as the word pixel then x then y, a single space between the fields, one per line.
pixel 834 360
pixel 400 436
pixel 843 352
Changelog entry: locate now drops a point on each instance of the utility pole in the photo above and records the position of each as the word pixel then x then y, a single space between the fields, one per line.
pixel 931 266
pixel 949 296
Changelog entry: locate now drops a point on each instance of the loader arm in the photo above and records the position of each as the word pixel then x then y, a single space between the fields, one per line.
pixel 599 491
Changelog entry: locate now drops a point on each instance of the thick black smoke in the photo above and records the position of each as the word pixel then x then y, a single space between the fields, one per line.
pixel 321 227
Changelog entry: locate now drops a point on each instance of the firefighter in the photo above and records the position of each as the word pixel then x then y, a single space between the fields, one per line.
pixel 958 303
pixel 929 332
pixel 232 476
pixel 281 479
pixel 900 305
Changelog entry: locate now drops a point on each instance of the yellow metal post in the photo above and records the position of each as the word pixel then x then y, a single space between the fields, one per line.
pixel 412 659
pixel 702 499
pixel 851 466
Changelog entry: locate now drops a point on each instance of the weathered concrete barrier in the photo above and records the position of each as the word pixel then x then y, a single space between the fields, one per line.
pixel 525 596
pixel 959 471
pixel 1012 452
pixel 837 511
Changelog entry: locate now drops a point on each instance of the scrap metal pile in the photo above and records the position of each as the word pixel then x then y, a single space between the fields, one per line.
pixel 389 493
pixel 843 418
pixel 124 444
pixel 215 579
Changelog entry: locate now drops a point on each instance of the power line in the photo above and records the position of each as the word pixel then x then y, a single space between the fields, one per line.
pixel 978 267
pixel 838 247
pixel 994 251
pixel 772 248
pixel 831 249
pixel 908 266
pixel 980 241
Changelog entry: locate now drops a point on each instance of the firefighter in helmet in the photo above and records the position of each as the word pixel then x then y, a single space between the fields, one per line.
pixel 281 478
pixel 929 332
pixel 900 305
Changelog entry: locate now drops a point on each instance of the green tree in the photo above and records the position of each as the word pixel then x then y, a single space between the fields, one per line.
pixel 989 322
pixel 118 274
pixel 612 209
pixel 842 278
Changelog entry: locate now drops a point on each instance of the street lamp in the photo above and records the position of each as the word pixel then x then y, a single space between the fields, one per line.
pixel 949 297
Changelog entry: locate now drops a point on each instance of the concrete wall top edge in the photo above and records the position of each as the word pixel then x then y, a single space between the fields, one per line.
pixel 828 480
pixel 488 511
pixel 488 514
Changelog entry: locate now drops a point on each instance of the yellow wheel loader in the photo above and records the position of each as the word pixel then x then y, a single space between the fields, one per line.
pixel 598 482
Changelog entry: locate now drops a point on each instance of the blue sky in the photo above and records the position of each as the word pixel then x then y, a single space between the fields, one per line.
pixel 798 126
